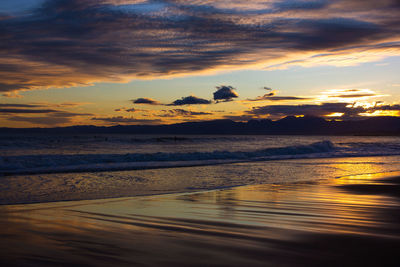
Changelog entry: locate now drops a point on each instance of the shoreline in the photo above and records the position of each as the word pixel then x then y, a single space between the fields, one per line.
pixel 383 175
pixel 140 183
pixel 306 223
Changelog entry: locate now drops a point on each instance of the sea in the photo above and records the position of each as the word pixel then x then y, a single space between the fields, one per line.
pixel 43 168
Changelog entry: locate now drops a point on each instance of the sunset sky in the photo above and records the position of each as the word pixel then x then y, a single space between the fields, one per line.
pixel 108 62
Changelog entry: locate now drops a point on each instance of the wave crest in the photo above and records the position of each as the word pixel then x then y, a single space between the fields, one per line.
pixel 35 164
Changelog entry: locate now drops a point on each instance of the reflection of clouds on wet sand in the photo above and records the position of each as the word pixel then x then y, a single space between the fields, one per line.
pixel 306 223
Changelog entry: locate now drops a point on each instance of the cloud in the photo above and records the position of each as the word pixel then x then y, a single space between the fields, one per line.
pixel 182 112
pixel 128 109
pixel 190 100
pixel 13 110
pixel 283 98
pixel 395 107
pixel 5 105
pixel 32 109
pixel 271 96
pixel 342 110
pixel 322 110
pixel 27 112
pixel 68 104
pixel 125 120
pixel 350 94
pixel 66 43
pixel 225 93
pixel 51 118
pixel 355 95
pixel 48 120
pixel 146 101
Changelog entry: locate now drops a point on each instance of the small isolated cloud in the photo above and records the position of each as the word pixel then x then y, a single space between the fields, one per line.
pixel 190 100
pixel 127 109
pixel 69 104
pixel 271 96
pixel 286 98
pixel 354 94
pixel 125 120
pixel 225 93
pixel 145 101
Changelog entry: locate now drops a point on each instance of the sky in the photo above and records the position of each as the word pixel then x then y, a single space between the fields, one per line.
pixel 110 62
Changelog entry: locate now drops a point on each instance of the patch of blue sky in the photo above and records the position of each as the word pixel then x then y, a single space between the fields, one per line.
pixel 18 7
pixel 147 7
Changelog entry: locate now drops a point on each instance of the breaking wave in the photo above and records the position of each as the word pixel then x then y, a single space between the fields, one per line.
pixel 61 163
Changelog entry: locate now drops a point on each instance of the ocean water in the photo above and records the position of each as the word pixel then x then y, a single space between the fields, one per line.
pixel 41 168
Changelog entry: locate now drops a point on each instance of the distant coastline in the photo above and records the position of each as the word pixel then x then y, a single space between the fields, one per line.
pixel 374 126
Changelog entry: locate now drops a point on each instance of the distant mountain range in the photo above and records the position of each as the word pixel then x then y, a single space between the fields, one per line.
pixel 286 126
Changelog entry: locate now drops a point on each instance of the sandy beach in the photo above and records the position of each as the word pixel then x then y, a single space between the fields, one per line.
pixel 336 222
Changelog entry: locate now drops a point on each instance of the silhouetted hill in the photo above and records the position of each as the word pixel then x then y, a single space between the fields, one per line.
pixel 288 126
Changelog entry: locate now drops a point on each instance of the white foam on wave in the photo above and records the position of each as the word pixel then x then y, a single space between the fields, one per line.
pixel 61 163
pixel 34 164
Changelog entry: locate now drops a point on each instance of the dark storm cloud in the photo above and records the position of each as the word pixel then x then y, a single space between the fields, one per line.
pixel 190 100
pixel 145 100
pixel 225 93
pixel 78 42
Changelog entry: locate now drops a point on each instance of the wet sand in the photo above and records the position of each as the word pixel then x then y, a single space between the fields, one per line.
pixel 350 221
